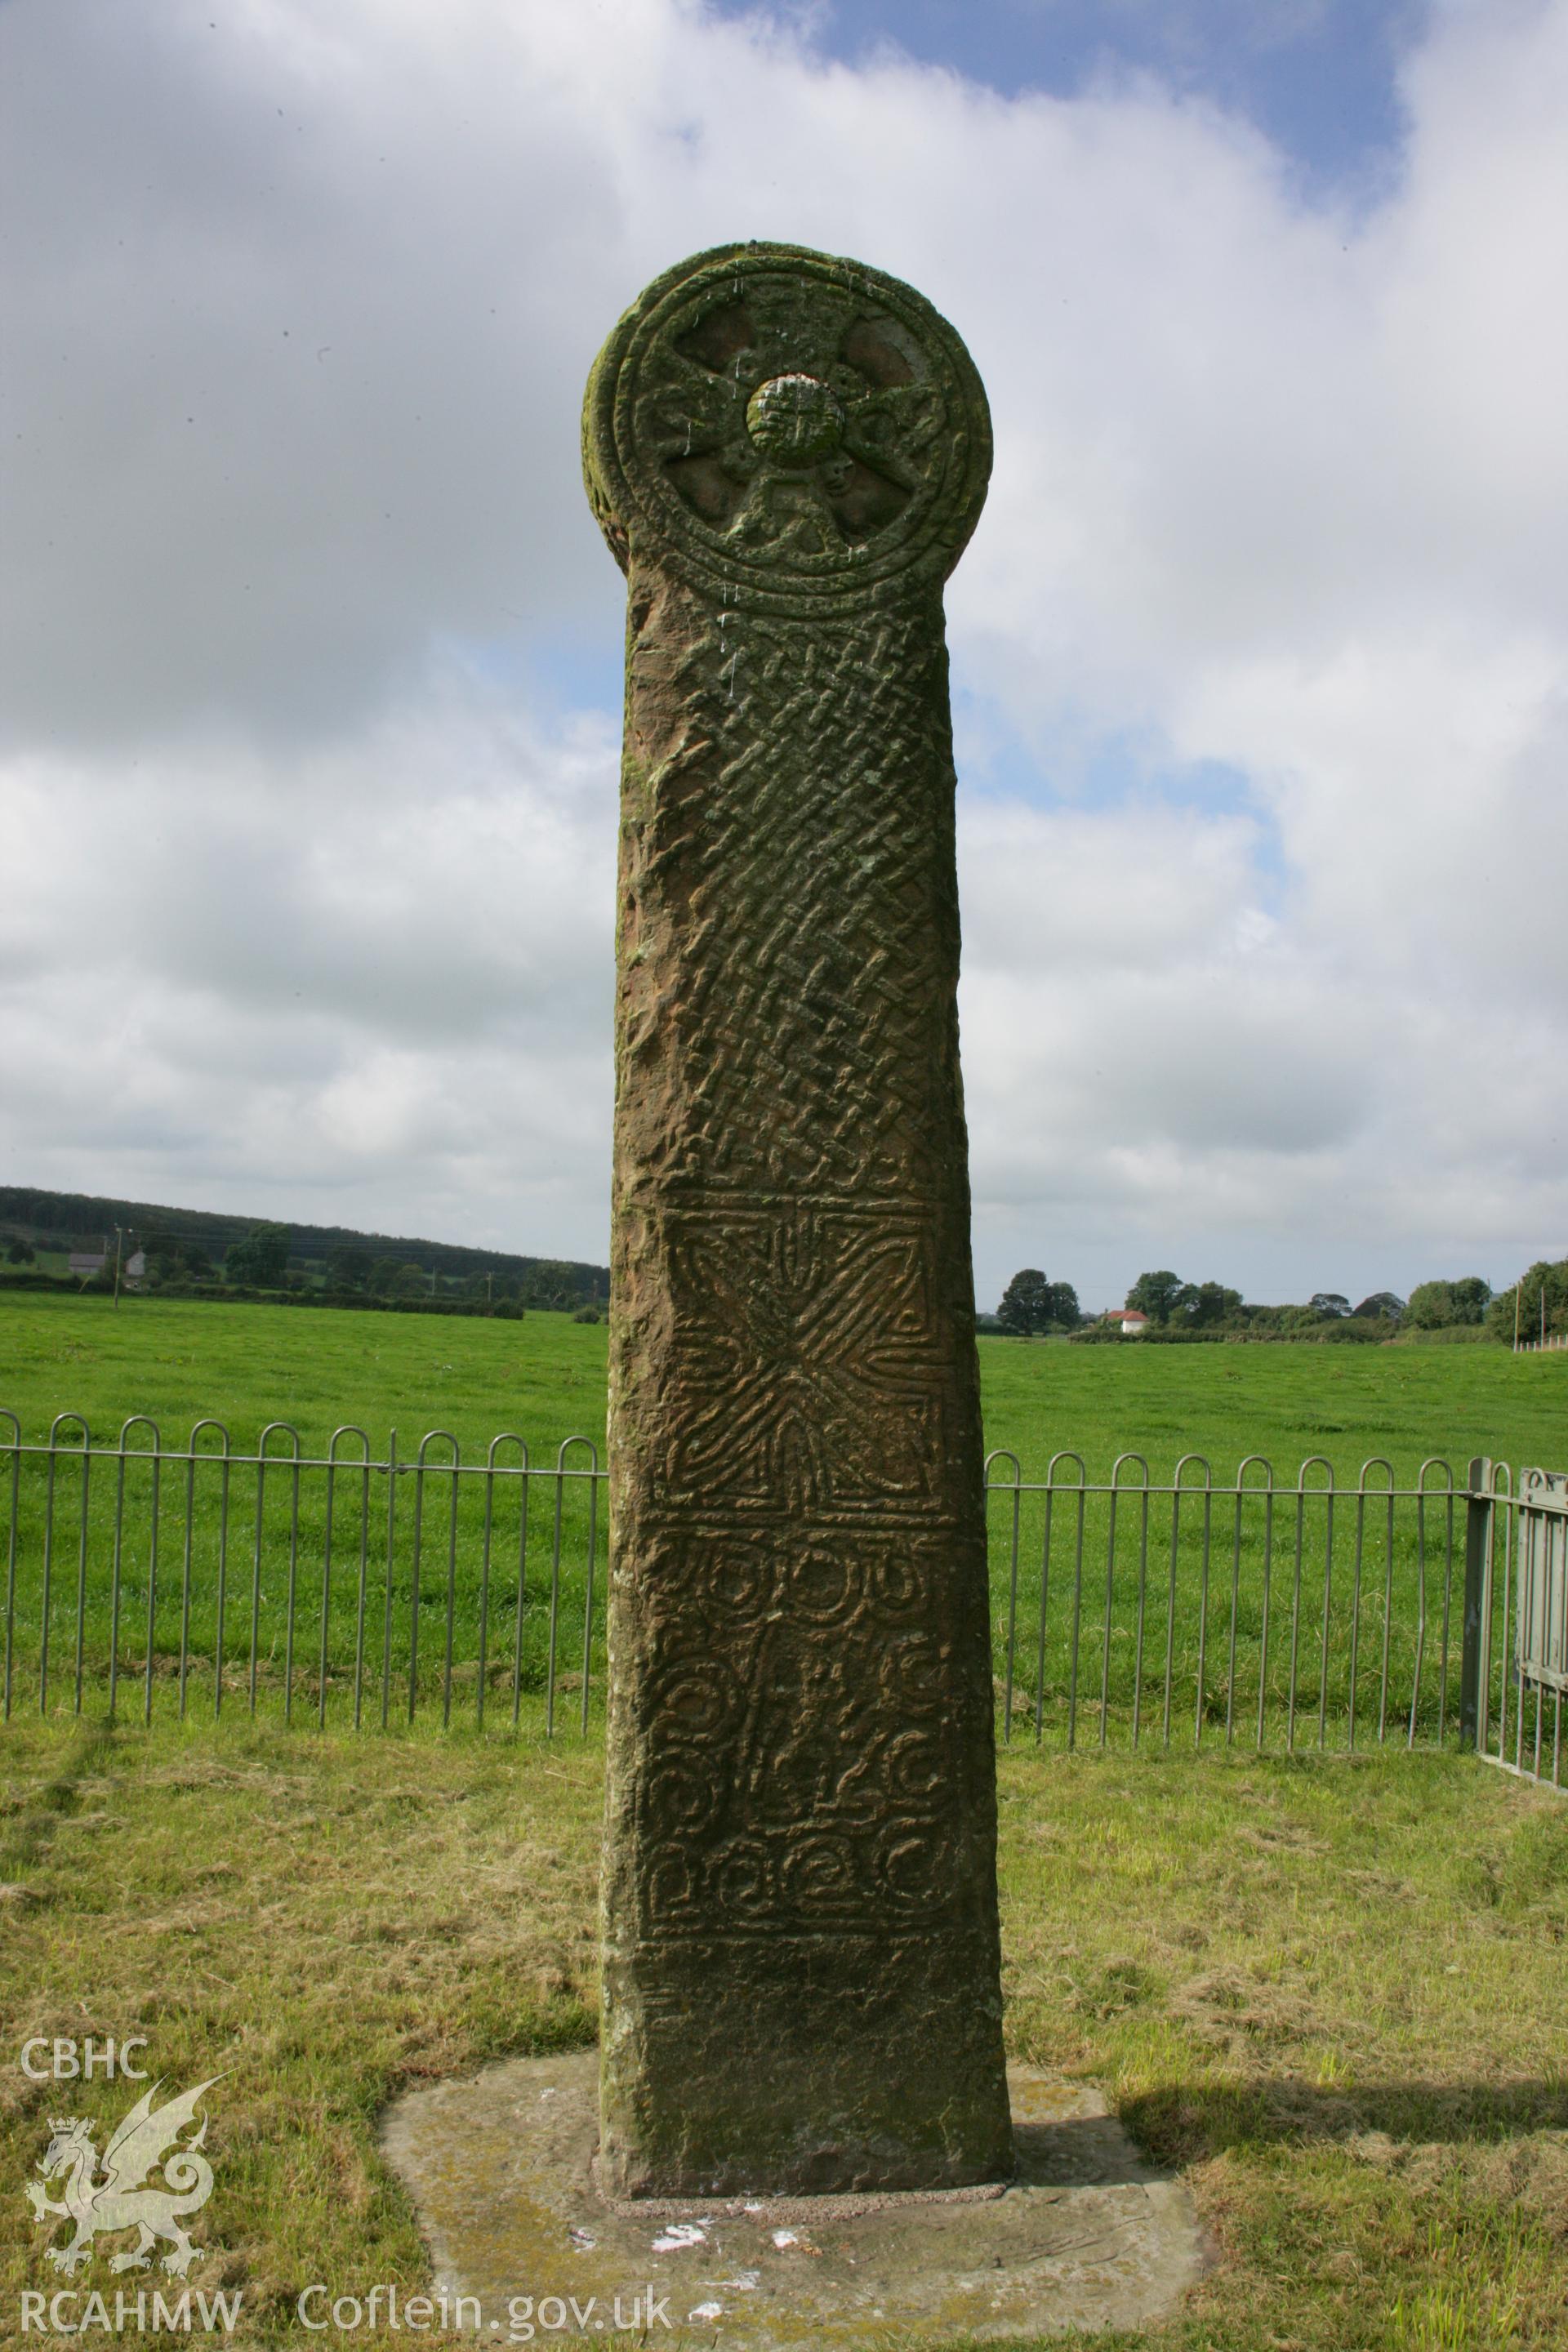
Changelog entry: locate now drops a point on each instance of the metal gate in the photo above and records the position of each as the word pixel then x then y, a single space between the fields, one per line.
pixel 1516 1619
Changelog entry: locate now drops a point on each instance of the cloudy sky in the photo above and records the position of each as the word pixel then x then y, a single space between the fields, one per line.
pixel 310 651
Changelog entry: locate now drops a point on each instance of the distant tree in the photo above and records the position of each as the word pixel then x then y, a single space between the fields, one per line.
pixel 20 1253
pixel 260 1257
pixel 1430 1306
pixel 1200 1305
pixel 1154 1295
pixel 1472 1295
pixel 552 1284
pixel 348 1269
pixel 1435 1305
pixel 1028 1303
pixel 170 1258
pixel 1542 1296
pixel 1330 1302
pixel 1066 1313
pixel 409 1282
pixel 162 1252
pixel 271 1244
pixel 1382 1303
pixel 489 1286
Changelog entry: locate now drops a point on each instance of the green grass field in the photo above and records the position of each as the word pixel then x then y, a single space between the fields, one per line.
pixel 1292 1616
pixel 545 1377
pixel 316 1368
pixel 1330 1995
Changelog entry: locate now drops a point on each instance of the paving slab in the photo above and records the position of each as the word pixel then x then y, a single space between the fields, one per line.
pixel 502 2170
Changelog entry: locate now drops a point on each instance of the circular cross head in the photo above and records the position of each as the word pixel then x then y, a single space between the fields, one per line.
pixel 786 430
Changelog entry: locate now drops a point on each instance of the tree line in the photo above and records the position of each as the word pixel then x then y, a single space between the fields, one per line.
pixel 1033 1306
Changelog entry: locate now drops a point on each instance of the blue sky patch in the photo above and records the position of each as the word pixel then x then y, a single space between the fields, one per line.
pixel 1318 77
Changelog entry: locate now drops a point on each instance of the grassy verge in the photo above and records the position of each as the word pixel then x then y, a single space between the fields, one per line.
pixel 1332 1993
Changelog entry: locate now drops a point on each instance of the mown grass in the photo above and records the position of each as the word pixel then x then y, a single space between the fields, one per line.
pixel 1331 1994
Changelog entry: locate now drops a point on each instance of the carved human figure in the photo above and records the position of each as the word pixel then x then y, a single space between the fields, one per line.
pixel 787 454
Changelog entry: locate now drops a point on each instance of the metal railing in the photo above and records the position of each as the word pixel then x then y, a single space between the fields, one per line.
pixel 278 1577
pixel 353 1585
pixel 1247 1609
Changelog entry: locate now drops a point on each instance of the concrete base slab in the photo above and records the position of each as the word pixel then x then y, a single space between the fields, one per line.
pixel 501 2171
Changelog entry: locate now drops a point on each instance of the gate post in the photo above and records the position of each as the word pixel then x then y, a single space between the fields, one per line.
pixel 1478 1561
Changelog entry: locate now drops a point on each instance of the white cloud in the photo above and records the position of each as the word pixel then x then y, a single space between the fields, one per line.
pixel 307 895
pixel 371 977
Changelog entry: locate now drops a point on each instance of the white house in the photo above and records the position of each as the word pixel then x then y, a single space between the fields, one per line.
pixel 1132 1319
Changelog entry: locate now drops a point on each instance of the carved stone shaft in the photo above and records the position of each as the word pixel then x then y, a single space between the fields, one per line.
pixel 787 454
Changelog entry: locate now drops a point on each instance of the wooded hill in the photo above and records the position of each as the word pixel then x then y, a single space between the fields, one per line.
pixel 80 1220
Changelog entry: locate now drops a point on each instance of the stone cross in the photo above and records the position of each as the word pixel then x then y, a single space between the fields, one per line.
pixel 787 452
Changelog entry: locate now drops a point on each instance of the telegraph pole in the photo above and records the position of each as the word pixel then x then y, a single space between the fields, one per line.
pixel 119 1244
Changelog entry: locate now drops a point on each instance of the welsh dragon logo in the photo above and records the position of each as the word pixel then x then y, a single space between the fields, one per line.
pixel 147 2140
